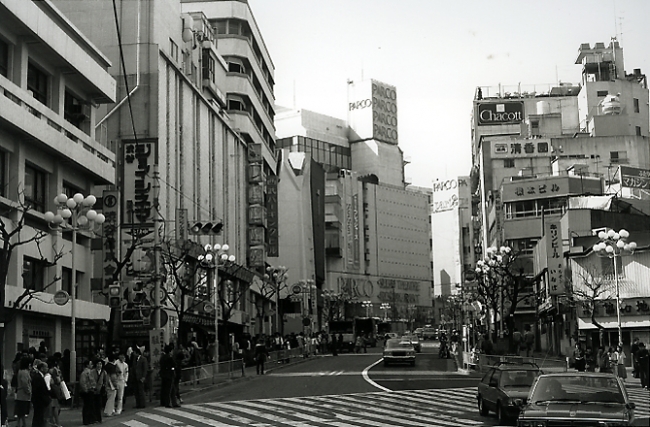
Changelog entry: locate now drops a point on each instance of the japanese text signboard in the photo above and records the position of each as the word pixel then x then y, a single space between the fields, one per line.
pixel 635 178
pixel 554 257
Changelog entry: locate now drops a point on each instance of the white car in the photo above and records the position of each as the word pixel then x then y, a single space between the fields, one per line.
pixel 399 351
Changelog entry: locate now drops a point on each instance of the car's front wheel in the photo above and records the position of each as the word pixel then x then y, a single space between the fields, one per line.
pixel 482 409
pixel 500 415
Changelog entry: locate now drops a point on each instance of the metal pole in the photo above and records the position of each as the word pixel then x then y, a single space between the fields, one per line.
pixel 618 302
pixel 73 297
pixel 216 310
pixel 277 305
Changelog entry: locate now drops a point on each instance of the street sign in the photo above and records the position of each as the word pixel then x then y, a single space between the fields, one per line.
pixel 296 289
pixel 208 308
pixel 61 298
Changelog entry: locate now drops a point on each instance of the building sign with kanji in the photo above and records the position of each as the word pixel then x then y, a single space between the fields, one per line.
pixel 635 178
pixel 554 257
pixel 521 148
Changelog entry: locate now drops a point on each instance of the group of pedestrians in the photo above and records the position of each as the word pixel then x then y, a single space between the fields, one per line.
pixel 38 386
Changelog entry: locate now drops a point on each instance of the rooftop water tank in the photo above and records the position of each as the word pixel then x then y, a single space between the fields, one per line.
pixel 611 105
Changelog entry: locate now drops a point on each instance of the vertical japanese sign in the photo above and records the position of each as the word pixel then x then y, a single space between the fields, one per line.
pixel 272 215
pixel 156 342
pixel 110 242
pixel 138 181
pixel 355 228
pixel 554 257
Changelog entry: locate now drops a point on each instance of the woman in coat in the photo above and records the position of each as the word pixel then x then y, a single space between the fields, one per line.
pixel 23 392
pixel 88 385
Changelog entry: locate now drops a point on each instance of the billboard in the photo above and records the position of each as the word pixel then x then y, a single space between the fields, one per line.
pixel 138 180
pixel 372 111
pixel 500 113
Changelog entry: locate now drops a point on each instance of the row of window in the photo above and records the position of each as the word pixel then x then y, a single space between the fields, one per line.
pixel 534 208
pixel 34 276
pixel 322 152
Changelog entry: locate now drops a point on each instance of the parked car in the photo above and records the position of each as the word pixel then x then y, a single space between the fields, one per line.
pixel 399 351
pixel 577 398
pixel 415 341
pixel 418 332
pixel 504 389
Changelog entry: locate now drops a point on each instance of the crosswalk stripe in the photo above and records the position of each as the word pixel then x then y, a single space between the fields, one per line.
pixel 194 417
pixel 414 408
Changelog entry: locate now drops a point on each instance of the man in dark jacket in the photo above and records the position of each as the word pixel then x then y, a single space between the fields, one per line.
pixel 644 365
pixel 40 395
pixel 141 368
pixel 167 374
pixel 3 398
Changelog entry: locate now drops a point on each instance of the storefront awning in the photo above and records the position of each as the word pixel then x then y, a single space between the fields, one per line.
pixel 613 324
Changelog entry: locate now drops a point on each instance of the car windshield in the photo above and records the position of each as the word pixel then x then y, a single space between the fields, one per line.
pixel 514 379
pixel 411 337
pixel 583 389
pixel 399 344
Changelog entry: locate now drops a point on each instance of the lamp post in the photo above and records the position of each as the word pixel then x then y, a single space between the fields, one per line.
pixel 385 306
pixel 367 305
pixel 214 257
pixel 613 245
pixel 276 276
pixel 79 209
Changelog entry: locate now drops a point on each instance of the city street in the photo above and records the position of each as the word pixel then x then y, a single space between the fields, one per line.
pixel 345 391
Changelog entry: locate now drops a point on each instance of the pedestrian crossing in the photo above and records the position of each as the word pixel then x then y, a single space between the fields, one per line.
pixel 414 408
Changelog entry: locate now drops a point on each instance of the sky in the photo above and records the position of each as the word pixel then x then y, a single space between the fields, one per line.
pixel 436 53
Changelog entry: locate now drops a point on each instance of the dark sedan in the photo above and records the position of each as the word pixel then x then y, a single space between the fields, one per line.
pixel 577 399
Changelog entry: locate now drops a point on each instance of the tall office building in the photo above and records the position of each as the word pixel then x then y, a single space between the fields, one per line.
pixel 53 81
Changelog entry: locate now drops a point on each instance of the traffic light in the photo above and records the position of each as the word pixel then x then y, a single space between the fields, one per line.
pixel 205 228
pixel 114 295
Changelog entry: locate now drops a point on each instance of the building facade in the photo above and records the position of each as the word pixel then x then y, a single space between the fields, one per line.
pixel 55 82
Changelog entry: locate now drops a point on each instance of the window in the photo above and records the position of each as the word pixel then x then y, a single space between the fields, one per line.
pixel 173 50
pixel 66 281
pixel 37 83
pixel 73 110
pixel 236 104
pixel 636 105
pixel 602 93
pixel 4 58
pixel 618 156
pixel 208 65
pixel 33 273
pixel 638 130
pixel 3 173
pixel 508 163
pixel 234 67
pixel 35 188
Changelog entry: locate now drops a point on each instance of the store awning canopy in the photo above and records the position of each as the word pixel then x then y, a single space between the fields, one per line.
pixel 613 324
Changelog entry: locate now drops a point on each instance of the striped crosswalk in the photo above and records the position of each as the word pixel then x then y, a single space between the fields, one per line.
pixel 418 408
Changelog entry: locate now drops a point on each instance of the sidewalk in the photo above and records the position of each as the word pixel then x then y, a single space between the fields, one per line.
pixel 71 417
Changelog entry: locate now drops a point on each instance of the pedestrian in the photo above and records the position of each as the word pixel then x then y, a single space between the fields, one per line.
pixel 180 361
pixel 579 358
pixel 141 369
pixel 358 344
pixel 99 375
pixel 167 373
pixel 335 345
pixel 88 385
pixel 644 365
pixel 590 363
pixel 41 399
pixel 261 353
pixel 621 371
pixel 635 362
pixel 55 392
pixel 516 341
pixel 122 373
pixel 22 404
pixel 529 339
pixel 4 387
pixel 110 385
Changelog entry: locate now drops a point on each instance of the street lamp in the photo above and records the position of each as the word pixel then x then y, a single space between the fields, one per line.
pixel 385 306
pixel 487 269
pixel 368 306
pixel 79 209
pixel 612 245
pixel 276 276
pixel 214 257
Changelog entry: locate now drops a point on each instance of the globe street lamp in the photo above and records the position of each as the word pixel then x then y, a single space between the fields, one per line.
pixel 214 257
pixel 368 306
pixel 612 245
pixel 385 306
pixel 276 276
pixel 79 210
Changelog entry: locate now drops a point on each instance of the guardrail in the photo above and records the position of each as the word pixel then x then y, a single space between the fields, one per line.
pixel 482 362
pixel 212 373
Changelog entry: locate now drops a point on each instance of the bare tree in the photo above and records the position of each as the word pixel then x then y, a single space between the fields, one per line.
pixel 592 290
pixel 273 283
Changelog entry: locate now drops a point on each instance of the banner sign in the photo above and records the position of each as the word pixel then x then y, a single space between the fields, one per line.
pixel 635 178
pixel 554 257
